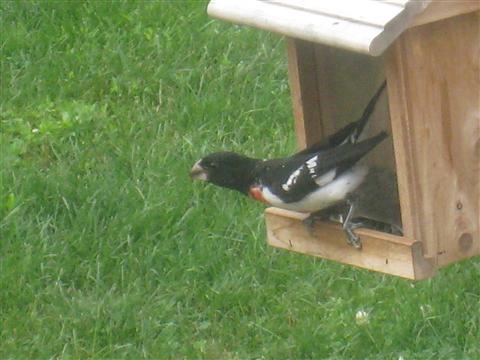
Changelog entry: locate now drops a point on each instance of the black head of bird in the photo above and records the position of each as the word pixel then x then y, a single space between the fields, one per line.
pixel 226 169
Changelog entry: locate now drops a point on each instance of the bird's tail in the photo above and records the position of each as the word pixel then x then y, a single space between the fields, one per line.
pixel 351 153
pixel 368 111
pixel 352 131
pixel 345 156
pixel 374 140
pixel 349 133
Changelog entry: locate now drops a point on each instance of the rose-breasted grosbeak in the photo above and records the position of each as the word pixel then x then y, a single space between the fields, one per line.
pixel 320 177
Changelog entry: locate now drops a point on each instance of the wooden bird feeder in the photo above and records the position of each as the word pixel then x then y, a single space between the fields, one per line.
pixel 429 52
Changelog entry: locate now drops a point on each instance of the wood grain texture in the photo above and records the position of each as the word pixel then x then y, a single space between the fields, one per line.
pixel 433 73
pixel 304 91
pixel 381 252
pixel 363 26
pixel 441 9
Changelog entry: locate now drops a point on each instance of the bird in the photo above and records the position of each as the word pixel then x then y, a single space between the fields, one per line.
pixel 320 180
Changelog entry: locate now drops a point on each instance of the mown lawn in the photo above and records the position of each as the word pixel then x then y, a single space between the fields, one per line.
pixel 109 251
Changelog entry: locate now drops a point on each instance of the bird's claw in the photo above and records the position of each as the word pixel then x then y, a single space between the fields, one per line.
pixel 353 239
pixel 348 225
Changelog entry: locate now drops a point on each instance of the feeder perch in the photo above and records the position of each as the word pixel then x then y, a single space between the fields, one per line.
pixel 338 52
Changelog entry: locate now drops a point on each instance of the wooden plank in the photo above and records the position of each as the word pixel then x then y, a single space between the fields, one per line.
pixel 366 11
pixel 434 82
pixel 401 3
pixel 403 145
pixel 297 23
pixel 334 26
pixel 304 91
pixel 381 252
pixel 438 10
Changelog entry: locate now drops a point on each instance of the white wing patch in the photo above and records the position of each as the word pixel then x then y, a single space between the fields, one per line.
pixel 292 179
pixel 312 164
pixel 326 178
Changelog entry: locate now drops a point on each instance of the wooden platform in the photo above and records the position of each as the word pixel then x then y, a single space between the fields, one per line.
pixel 381 252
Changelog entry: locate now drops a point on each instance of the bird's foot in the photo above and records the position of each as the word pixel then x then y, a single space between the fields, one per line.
pixel 353 239
pixel 353 224
pixel 349 225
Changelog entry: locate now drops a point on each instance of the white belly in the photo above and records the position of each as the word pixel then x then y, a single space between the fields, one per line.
pixel 324 196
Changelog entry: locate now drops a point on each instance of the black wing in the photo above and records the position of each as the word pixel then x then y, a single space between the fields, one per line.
pixel 292 178
pixel 342 157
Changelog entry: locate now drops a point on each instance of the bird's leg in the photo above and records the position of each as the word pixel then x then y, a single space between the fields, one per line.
pixel 349 226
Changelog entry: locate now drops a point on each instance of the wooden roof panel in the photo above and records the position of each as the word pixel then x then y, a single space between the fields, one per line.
pixel 366 26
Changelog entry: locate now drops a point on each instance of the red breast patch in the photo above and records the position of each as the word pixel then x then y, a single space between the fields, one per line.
pixel 256 193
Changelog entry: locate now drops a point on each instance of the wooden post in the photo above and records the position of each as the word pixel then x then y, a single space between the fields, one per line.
pixel 302 70
pixel 434 86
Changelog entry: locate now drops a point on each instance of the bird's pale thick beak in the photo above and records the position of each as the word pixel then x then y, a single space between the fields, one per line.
pixel 198 172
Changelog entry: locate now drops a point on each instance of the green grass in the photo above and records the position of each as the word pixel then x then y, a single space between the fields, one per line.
pixel 109 251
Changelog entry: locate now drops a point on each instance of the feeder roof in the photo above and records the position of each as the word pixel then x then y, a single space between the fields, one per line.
pixel 366 26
